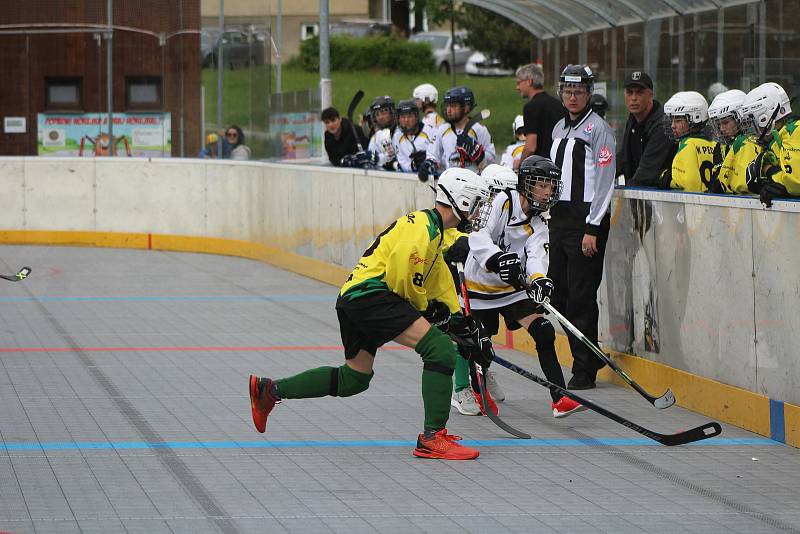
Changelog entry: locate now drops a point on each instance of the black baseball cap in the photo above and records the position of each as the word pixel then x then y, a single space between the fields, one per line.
pixel 639 78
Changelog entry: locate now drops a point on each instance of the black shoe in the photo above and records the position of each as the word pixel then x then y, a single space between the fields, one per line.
pixel 581 382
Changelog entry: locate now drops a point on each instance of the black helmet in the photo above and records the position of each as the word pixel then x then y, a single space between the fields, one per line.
pixel 460 95
pixel 538 170
pixel 408 106
pixel 576 75
pixel 599 104
pixel 382 103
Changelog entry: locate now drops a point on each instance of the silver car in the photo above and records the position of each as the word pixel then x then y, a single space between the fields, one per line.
pixel 440 46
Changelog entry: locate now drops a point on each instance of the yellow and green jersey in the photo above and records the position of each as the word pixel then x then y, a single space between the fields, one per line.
pixel 406 259
pixel 693 164
pixel 733 175
pixel 788 152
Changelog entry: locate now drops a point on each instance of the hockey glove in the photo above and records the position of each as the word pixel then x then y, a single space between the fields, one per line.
pixel 392 165
pixel 753 174
pixel 458 251
pixel 417 159
pixel 772 190
pixel 469 149
pixel 474 343
pixel 510 269
pixel 348 160
pixel 665 180
pixel 542 289
pixel 438 314
pixel 426 170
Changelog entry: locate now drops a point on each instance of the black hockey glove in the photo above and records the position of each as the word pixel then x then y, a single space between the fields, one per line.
pixel 426 170
pixel 772 190
pixel 753 174
pixel 510 269
pixel 458 251
pixel 665 180
pixel 438 314
pixel 417 159
pixel 542 289
pixel 392 165
pixel 474 343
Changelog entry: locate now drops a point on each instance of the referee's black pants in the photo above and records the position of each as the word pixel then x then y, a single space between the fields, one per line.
pixel 577 278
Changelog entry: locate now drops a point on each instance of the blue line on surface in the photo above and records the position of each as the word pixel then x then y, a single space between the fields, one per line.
pixel 193 298
pixel 177 445
pixel 777 425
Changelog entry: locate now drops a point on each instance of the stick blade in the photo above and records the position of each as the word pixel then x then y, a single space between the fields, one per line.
pixel 23 273
pixel 485 114
pixel 665 401
pixel 708 430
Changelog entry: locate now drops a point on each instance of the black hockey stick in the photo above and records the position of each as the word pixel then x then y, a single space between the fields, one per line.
pixel 475 119
pixel 708 430
pixel 485 396
pixel 350 110
pixel 21 275
pixel 664 401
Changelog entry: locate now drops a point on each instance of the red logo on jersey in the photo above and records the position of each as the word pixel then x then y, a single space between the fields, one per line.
pixel 605 157
pixel 589 128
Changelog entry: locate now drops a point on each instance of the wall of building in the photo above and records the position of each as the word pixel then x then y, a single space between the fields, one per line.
pixel 29 58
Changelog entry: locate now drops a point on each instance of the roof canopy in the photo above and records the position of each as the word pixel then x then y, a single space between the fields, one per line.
pixel 546 19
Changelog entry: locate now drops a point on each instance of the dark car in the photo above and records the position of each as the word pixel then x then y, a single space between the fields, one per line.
pixel 239 49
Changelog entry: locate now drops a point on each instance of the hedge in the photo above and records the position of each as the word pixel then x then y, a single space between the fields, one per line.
pixel 363 53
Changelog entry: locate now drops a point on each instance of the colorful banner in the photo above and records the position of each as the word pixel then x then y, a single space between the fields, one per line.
pixel 146 135
pixel 300 133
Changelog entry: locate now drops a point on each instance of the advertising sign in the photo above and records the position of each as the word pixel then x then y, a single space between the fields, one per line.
pixel 135 134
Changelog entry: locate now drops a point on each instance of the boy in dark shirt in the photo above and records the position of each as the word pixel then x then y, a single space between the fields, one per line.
pixel 340 138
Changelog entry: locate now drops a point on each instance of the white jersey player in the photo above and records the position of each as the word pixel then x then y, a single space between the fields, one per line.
pixel 411 138
pixel 427 98
pixel 510 252
pixel 382 112
pixel 511 157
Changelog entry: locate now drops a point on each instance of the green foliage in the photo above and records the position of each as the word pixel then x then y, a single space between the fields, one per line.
pixel 496 36
pixel 363 53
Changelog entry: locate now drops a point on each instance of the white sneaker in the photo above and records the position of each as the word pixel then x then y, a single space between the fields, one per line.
pixel 464 402
pixel 494 388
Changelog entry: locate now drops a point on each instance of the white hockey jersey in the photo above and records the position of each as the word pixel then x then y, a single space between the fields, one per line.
pixel 513 152
pixel 433 119
pixel 508 230
pixel 443 150
pixel 381 143
pixel 405 145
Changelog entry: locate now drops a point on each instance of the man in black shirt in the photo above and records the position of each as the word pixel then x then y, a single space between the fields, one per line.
pixel 645 149
pixel 540 113
pixel 339 138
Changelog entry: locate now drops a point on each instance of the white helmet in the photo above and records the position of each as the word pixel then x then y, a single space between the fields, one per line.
pixel 716 89
pixel 499 178
pixel 763 106
pixel 689 105
pixel 519 122
pixel 725 105
pixel 465 192
pixel 426 93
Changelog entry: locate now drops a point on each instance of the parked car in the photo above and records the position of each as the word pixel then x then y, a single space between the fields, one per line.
pixel 239 49
pixel 440 46
pixel 479 65
pixel 361 27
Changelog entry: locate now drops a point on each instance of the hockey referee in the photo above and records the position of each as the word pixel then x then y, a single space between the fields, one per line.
pixel 583 148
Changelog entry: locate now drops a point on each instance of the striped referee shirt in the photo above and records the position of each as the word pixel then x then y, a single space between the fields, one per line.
pixel 584 150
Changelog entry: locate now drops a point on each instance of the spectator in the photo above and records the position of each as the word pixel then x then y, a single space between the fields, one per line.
pixel 235 136
pixel 583 148
pixel 541 112
pixel 692 168
pixel 646 151
pixel 340 136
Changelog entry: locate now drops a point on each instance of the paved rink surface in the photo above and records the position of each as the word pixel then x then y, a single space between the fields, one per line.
pixel 124 408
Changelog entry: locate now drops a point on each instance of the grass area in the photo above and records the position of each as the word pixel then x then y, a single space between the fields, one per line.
pixel 245 94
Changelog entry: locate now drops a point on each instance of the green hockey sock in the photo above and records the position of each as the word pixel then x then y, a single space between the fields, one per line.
pixel 461 376
pixel 438 355
pixel 336 381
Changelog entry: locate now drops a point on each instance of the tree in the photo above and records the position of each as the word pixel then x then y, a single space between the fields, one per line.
pixel 496 36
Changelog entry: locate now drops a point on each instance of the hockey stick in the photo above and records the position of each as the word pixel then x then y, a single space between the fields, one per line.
pixel 21 275
pixel 475 119
pixel 708 430
pixel 350 110
pixel 485 397
pixel 664 401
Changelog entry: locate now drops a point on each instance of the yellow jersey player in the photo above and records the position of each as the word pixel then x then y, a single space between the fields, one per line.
pixel 685 117
pixel 773 173
pixel 738 149
pixel 399 289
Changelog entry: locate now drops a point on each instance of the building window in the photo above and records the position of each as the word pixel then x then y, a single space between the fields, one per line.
pixel 307 31
pixel 64 94
pixel 143 93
